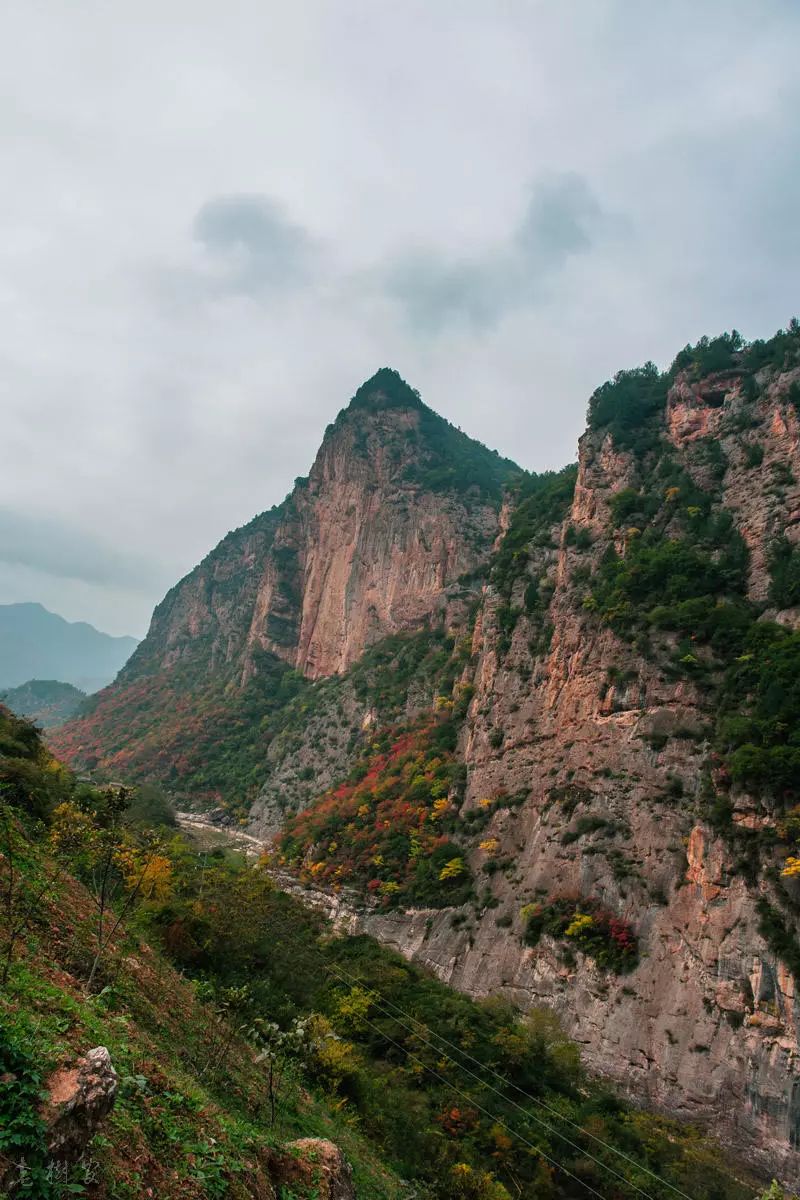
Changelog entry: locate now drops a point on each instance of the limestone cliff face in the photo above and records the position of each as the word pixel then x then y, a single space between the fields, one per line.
pixel 592 744
pixel 367 545
pixel 610 752
pixel 364 551
pixel 398 506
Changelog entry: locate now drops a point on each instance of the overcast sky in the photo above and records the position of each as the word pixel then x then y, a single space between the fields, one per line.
pixel 217 219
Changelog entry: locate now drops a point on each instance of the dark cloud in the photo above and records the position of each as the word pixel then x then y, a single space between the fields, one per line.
pixel 563 218
pixel 253 241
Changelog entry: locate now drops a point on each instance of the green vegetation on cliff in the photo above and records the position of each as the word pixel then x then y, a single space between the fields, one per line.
pixel 626 405
pixel 540 505
pixel 445 459
pixel 675 581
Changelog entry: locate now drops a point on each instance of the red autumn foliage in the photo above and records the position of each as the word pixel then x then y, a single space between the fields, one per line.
pixel 383 829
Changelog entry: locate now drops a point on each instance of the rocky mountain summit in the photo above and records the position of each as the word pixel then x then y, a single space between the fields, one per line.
pixel 388 533
pixel 397 506
pixel 538 732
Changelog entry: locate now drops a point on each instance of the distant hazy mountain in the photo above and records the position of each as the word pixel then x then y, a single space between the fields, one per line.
pixel 37 644
pixel 48 702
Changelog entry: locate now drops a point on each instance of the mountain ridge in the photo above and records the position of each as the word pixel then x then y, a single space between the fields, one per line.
pixel 398 506
pixel 38 644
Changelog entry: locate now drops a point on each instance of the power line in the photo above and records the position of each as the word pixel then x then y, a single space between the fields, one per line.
pixel 528 1116
pixel 533 1099
pixel 471 1100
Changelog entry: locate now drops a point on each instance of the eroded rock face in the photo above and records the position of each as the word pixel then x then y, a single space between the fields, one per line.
pixel 597 737
pixel 362 548
pixel 374 554
pixel 78 1099
pixel 314 1166
pixel 377 540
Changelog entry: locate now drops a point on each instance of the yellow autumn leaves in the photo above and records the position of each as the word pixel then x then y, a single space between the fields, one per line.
pixel 578 925
pixel 75 834
pixel 453 868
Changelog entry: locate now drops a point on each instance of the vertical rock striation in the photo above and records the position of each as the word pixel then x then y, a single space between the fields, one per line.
pixel 610 748
pixel 398 507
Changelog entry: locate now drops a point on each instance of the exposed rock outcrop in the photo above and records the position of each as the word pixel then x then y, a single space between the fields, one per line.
pixel 599 738
pixel 386 534
pixel 78 1099
pixel 365 546
pixel 314 1166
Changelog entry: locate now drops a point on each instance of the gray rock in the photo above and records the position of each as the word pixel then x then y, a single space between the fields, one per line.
pixel 315 1163
pixel 78 1099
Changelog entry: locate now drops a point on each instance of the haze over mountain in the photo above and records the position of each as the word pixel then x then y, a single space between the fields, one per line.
pixel 46 702
pixel 505 200
pixel 36 644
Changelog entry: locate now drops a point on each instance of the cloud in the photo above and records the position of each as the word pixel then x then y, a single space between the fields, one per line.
pixel 252 243
pixel 563 219
pixel 57 548
pixel 200 263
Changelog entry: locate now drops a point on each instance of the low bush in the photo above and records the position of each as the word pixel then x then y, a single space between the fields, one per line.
pixel 585 925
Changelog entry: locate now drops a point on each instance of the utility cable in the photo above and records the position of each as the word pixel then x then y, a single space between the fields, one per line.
pixel 527 1115
pixel 533 1099
pixel 471 1100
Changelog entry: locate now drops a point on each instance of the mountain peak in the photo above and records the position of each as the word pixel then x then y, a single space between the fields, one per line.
pixel 434 453
pixel 385 389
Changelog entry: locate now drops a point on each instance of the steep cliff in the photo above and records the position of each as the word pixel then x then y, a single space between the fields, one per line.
pixel 561 712
pixel 629 814
pixel 398 508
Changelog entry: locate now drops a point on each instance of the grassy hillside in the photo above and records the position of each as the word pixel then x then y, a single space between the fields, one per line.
pixel 212 975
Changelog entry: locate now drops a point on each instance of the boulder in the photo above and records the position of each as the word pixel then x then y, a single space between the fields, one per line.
pixel 314 1166
pixel 78 1098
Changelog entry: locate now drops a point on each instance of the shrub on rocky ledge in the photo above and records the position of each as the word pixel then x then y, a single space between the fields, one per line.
pixel 584 924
